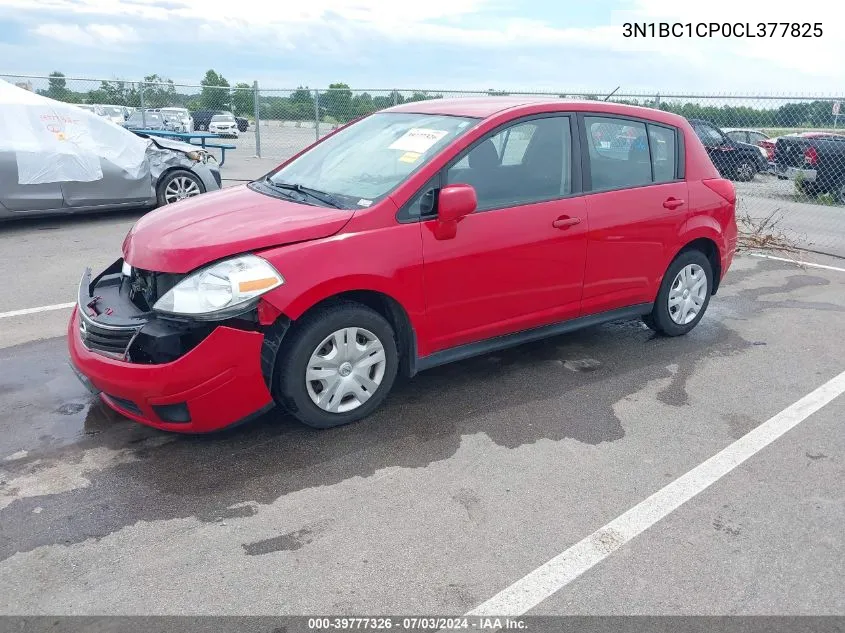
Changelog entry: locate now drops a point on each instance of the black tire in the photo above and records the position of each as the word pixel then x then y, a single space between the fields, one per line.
pixel 660 319
pixel 301 342
pixel 161 187
pixel 745 171
pixel 808 189
pixel 839 192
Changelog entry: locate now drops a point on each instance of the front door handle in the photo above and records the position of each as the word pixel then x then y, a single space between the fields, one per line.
pixel 564 222
pixel 673 203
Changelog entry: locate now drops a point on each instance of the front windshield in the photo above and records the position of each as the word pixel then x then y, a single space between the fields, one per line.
pixel 367 160
pixel 223 118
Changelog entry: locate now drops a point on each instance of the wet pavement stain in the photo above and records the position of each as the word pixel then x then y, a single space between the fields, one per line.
pixel 289 542
pixel 675 393
pixel 70 408
pixel 519 399
pixel 470 501
pixel 726 526
pixel 583 364
pixel 741 423
pixel 794 282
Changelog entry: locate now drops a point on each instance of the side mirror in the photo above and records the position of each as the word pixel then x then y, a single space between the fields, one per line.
pixel 453 203
pixel 456 201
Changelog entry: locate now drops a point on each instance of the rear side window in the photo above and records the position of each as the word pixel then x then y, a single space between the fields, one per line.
pixel 662 144
pixel 618 150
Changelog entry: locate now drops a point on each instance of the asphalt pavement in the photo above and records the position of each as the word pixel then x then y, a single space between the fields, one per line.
pixel 469 478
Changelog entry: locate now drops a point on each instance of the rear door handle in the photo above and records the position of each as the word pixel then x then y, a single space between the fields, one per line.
pixel 673 203
pixel 565 222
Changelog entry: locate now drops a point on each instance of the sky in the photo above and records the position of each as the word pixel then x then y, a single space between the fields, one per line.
pixel 547 45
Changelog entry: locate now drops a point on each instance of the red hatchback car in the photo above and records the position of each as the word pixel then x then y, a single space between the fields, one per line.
pixel 420 235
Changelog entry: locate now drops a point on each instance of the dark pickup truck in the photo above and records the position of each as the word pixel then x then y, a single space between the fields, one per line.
pixel 816 163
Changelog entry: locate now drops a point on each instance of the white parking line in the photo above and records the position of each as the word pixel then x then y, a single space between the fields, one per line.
pixel 550 577
pixel 799 263
pixel 55 306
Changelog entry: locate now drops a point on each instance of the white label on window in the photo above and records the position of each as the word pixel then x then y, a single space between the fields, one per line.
pixel 363 202
pixel 418 140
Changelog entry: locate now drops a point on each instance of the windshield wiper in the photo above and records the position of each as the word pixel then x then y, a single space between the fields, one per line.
pixel 322 196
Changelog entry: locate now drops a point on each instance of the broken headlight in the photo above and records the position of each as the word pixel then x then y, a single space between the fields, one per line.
pixel 198 155
pixel 222 289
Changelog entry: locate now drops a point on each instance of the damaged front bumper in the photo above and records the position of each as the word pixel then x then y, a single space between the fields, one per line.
pixel 176 375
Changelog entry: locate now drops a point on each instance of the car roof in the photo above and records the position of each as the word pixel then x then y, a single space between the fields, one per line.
pixel 485 107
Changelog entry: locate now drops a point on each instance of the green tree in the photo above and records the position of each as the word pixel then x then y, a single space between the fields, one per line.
pixel 158 92
pixel 363 104
pixel 301 104
pixel 243 99
pixel 213 96
pixel 337 101
pixel 57 89
pixel 57 86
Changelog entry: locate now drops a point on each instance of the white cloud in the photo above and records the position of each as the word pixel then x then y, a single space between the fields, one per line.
pixel 343 30
pixel 93 35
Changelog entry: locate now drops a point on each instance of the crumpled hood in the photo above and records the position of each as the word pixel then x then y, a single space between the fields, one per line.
pixel 179 146
pixel 183 236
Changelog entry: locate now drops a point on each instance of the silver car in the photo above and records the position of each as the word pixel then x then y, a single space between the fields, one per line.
pixel 172 171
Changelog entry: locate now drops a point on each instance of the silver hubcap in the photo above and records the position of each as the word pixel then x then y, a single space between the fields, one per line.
pixel 180 188
pixel 688 293
pixel 746 171
pixel 345 370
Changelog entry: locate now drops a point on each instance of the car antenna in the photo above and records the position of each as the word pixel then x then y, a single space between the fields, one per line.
pixel 612 93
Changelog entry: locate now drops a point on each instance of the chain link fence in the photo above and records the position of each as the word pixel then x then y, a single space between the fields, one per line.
pixel 801 190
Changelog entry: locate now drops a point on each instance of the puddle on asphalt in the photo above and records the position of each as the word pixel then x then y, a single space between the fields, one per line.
pixel 212 477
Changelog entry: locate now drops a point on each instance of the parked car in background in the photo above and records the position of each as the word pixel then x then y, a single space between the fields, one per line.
pixel 180 118
pixel 113 168
pixel 224 125
pixel 94 109
pixel 202 118
pixel 750 137
pixel 115 114
pixel 734 159
pixel 149 120
pixel 815 161
pixel 243 124
pixel 423 234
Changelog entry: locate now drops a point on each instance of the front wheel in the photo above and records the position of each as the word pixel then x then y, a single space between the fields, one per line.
pixel 178 185
pixel 338 365
pixel 683 296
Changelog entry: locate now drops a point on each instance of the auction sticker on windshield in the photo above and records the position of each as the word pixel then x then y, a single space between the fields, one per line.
pixel 418 140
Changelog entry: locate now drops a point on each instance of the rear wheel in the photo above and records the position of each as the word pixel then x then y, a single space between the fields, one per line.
pixel 338 365
pixel 683 296
pixel 178 185
pixel 745 171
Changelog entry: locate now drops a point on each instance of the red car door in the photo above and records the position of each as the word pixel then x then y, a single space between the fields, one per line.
pixel 637 207
pixel 517 262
